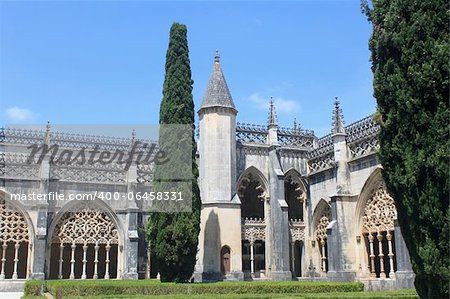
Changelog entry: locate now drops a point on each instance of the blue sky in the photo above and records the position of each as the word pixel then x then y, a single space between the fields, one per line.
pixel 97 62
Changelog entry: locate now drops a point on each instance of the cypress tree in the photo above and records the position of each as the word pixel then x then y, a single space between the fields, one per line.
pixel 174 236
pixel 410 61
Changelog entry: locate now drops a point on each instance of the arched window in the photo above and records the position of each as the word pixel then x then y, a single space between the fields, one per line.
pixel 84 245
pixel 295 196
pixel 378 232
pixel 252 196
pixel 321 235
pixel 14 242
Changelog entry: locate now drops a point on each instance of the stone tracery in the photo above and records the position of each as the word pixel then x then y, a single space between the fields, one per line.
pixel 378 228
pixel 86 226
pixel 13 233
pixel 380 212
pixel 93 231
pixel 321 235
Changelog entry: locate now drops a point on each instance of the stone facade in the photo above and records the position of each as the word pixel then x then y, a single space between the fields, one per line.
pixel 277 203
pixel 300 207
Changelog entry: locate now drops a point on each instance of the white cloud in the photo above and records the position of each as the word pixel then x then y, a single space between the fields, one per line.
pixel 281 104
pixel 258 22
pixel 19 114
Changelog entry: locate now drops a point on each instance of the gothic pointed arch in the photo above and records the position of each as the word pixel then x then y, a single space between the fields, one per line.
pixel 295 194
pixel 257 174
pixel 375 224
pixel 95 204
pixel 84 242
pixel 253 190
pixel 321 220
pixel 16 239
pixel 322 208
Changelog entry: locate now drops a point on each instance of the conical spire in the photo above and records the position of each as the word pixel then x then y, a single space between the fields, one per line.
pixel 338 118
pixel 272 119
pixel 217 93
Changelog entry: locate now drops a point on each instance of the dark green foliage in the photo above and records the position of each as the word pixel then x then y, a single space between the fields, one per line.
pixel 410 61
pixel 174 236
pixel 127 288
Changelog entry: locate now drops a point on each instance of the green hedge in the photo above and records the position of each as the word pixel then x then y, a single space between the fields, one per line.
pixel 63 288
pixel 398 294
pixel 33 287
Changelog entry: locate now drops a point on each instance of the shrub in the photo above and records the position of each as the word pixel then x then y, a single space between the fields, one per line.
pixel 60 289
pixel 33 287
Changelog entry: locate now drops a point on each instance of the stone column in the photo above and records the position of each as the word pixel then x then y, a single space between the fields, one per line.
pixel 107 260
pixel 40 243
pixel 60 265
pixel 72 261
pixel 391 255
pixel 252 258
pixel 131 246
pixel 4 246
pixel 96 248
pixel 341 240
pixel 372 256
pixel 340 235
pixel 279 230
pixel 83 274
pixel 381 255
pixel 324 255
pixel 404 276
pixel 16 259
pixel 293 258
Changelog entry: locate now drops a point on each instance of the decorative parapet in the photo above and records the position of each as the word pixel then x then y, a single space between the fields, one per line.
pixel 97 173
pixel 250 133
pixel 361 129
pixel 297 230
pixel 15 165
pixel 323 156
pixel 253 229
pixel 296 137
pixel 362 137
pixel 77 141
pixel 144 173
pixel 321 163
pixel 21 136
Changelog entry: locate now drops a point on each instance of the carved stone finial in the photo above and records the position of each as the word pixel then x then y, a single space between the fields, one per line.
pixel 133 135
pixel 338 118
pixel 272 119
pixel 217 60
pixel 47 132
